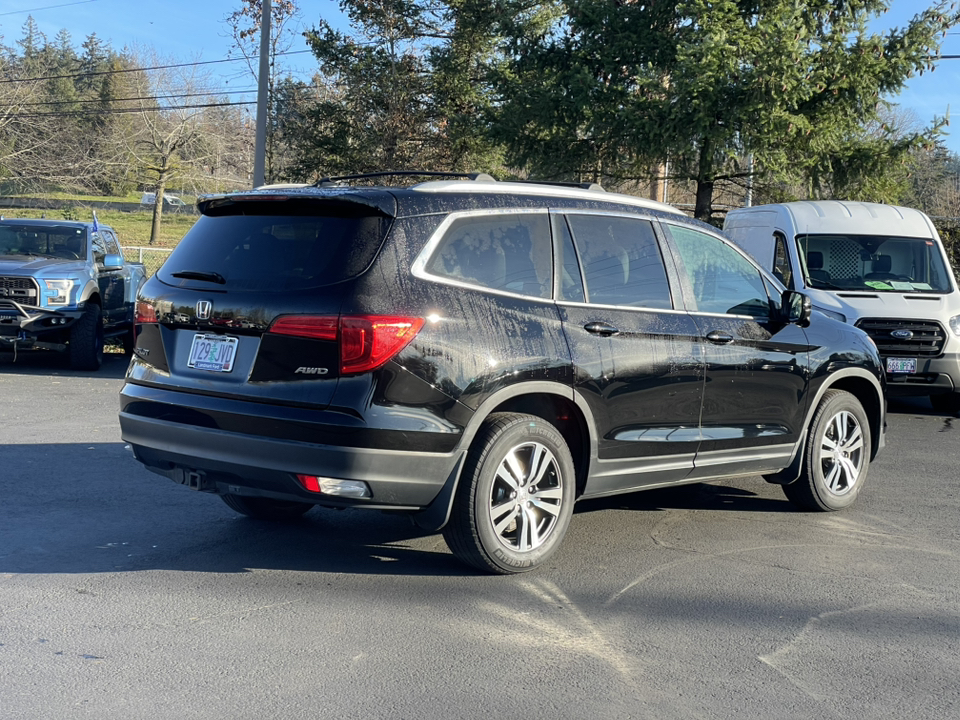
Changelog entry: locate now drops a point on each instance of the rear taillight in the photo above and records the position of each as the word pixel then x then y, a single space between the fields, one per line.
pixel 145 313
pixel 366 341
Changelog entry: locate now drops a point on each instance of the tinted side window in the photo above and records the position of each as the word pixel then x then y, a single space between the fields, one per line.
pixel 111 242
pixel 509 252
pixel 723 280
pixel 571 281
pixel 99 248
pixel 621 261
pixel 781 260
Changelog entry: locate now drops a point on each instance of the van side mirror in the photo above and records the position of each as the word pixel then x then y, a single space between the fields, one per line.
pixel 797 307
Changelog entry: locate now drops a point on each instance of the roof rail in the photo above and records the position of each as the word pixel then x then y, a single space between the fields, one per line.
pixel 561 183
pixel 332 181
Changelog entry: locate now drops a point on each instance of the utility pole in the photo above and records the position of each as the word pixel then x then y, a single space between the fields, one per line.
pixel 260 152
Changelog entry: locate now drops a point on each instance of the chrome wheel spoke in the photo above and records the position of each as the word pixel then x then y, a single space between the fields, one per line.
pixel 506 519
pixel 510 471
pixel 529 538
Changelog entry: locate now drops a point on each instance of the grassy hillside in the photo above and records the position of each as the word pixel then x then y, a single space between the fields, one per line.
pixel 132 228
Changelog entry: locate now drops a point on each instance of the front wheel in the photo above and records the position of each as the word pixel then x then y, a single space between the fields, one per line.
pixel 837 455
pixel 515 496
pixel 86 340
pixel 266 508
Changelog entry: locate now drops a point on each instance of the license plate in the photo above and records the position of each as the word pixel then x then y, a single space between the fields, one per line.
pixel 212 352
pixel 901 366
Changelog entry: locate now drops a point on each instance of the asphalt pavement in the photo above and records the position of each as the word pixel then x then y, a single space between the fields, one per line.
pixel 123 595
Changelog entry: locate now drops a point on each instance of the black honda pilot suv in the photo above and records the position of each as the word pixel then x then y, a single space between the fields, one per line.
pixel 481 355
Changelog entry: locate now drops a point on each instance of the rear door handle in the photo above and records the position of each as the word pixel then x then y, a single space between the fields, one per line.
pixel 598 327
pixel 719 338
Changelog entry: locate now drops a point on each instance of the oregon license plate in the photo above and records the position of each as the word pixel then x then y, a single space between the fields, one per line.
pixel 212 352
pixel 901 366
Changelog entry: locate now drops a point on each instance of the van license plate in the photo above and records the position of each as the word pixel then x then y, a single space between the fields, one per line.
pixel 901 366
pixel 212 352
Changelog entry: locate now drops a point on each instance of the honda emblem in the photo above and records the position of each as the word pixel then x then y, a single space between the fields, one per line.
pixel 204 308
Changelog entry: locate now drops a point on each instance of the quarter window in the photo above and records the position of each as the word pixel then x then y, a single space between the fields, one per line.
pixel 723 280
pixel 508 252
pixel 621 261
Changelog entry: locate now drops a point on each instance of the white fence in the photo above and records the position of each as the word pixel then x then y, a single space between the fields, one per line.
pixel 151 257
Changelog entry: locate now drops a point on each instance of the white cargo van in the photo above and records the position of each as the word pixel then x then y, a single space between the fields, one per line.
pixel 880 267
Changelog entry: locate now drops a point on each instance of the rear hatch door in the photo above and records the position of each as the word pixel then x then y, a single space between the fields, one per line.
pixel 247 303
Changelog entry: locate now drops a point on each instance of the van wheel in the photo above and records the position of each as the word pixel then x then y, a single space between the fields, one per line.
pixel 266 508
pixel 86 340
pixel 515 498
pixel 948 403
pixel 837 455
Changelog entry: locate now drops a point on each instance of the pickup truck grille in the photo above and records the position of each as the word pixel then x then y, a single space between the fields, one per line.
pixel 927 337
pixel 19 289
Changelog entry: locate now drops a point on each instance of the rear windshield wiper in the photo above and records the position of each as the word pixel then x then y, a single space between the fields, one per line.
pixel 197 275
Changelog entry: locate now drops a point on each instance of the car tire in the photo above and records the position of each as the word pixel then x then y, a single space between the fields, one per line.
pixel 515 497
pixel 86 340
pixel 837 455
pixel 947 403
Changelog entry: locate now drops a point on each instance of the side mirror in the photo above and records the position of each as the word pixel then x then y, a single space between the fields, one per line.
pixel 112 262
pixel 797 307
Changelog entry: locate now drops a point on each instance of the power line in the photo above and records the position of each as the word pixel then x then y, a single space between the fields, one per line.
pixel 48 7
pixel 122 111
pixel 133 99
pixel 143 69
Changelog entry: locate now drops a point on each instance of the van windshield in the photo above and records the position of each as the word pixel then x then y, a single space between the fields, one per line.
pixel 875 263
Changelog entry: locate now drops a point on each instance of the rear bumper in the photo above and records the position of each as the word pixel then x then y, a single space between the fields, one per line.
pixel 244 463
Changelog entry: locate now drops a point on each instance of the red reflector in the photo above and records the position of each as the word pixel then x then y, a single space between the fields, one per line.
pixel 145 313
pixel 311 483
pixel 309 326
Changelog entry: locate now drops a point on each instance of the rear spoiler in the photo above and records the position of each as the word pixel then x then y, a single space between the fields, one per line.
pixel 384 203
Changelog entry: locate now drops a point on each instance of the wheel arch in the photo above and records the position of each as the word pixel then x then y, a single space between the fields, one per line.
pixel 556 403
pixel 866 388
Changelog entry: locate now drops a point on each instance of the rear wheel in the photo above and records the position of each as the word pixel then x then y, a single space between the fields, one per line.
pixel 266 508
pixel 86 340
pixel 837 455
pixel 515 496
pixel 946 403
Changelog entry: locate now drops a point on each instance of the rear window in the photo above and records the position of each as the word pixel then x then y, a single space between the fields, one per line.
pixel 251 248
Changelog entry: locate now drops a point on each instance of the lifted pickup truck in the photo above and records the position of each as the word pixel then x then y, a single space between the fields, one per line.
pixel 65 286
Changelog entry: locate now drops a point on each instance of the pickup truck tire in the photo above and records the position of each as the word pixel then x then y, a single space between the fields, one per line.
pixel 86 340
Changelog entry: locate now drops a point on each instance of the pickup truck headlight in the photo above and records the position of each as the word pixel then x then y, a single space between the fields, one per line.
pixel 955 325
pixel 57 292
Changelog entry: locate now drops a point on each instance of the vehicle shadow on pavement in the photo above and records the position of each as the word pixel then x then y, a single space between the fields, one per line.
pixel 92 508
pixel 697 496
pixel 35 362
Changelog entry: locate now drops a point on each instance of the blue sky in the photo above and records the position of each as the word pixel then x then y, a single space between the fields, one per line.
pixel 186 31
